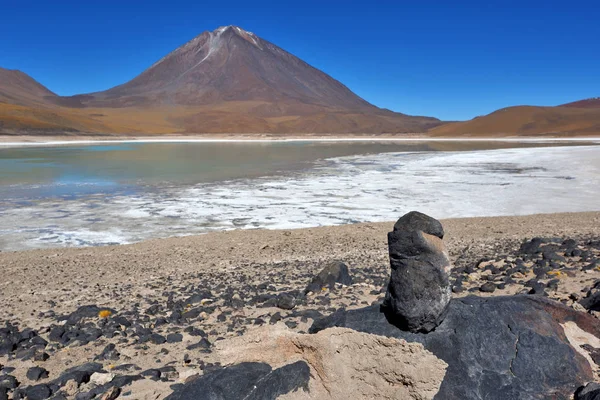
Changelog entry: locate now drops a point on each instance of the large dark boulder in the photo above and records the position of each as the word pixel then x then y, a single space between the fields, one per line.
pixel 591 391
pixel 334 272
pixel 249 381
pixel 500 348
pixel 419 289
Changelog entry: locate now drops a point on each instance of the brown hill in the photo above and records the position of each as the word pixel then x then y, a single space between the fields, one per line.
pixel 594 102
pixel 227 81
pixel 527 121
pixel 19 88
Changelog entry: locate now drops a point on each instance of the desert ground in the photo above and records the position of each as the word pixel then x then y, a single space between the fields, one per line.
pixel 178 305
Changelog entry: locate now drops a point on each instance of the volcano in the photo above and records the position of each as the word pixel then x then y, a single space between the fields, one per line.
pixel 229 81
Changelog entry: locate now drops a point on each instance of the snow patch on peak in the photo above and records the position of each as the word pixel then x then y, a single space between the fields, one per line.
pixel 237 29
pixel 222 29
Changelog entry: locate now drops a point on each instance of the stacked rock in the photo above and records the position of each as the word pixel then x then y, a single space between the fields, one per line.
pixel 419 290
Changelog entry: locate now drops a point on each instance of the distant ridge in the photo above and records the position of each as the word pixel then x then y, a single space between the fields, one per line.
pixel 593 102
pixel 580 118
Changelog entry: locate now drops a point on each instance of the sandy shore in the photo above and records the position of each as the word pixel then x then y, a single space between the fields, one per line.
pixel 155 288
pixel 32 277
pixel 29 140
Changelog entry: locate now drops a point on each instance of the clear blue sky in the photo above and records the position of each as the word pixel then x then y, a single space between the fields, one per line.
pixel 448 59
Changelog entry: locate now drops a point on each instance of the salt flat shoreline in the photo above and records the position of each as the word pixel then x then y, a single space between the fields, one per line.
pixel 23 141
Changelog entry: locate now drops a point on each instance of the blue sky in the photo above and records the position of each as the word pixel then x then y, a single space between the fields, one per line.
pixel 452 60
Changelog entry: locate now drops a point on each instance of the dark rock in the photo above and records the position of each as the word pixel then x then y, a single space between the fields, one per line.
pixel 488 287
pixel 286 302
pixel 91 311
pixel 9 382
pixel 41 356
pixel 537 288
pixel 416 221
pixel 124 380
pixel 153 374
pixel 419 289
pixel 591 391
pixel 36 373
pixel 56 334
pixel 275 318
pixel 38 392
pixel 593 352
pixel 334 272
pixel 3 393
pixel 504 347
pixel 551 255
pixel 109 353
pixel 203 344
pixel 198 297
pixel 591 301
pixel 127 367
pixel 531 247
pixel 249 381
pixel 157 339
pixel 80 374
pixel 174 337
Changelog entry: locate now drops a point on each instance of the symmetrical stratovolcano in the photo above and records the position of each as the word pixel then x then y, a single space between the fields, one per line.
pixel 232 81
pixel 227 80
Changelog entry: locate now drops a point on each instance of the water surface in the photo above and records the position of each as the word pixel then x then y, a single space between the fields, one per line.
pixel 122 193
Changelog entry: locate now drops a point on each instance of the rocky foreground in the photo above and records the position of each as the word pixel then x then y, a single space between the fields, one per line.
pixel 140 321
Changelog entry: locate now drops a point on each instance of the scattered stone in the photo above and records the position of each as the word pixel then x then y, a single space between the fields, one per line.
pixel 91 311
pixel 286 302
pixel 174 337
pixel 41 356
pixel 157 339
pixel 591 391
pixel 488 287
pixel 36 373
pixel 38 392
pixel 591 301
pixel 203 344
pixel 9 382
pixel 153 374
pixel 80 374
pixel 334 272
pixel 112 393
pixel 109 353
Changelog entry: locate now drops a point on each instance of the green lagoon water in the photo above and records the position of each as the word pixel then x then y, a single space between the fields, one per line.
pixel 98 194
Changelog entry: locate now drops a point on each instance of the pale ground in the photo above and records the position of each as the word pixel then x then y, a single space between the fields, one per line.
pixel 118 276
pixel 29 277
pixel 23 140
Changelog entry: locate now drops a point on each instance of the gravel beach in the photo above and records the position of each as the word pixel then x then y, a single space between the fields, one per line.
pixel 171 305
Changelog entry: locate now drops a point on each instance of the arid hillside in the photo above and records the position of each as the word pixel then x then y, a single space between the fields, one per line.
pixel 567 120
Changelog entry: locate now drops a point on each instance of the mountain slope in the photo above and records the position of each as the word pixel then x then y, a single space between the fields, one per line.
pixel 527 121
pixel 230 64
pixel 587 103
pixel 19 88
pixel 230 80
